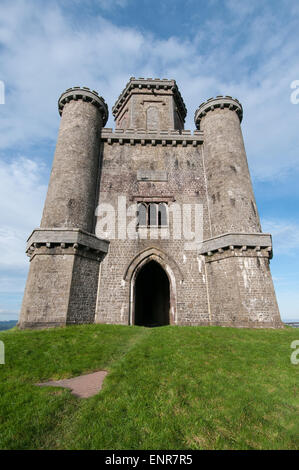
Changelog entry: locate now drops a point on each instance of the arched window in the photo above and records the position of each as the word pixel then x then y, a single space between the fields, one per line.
pixel 152 214
pixel 142 215
pixel 162 215
pixel 152 118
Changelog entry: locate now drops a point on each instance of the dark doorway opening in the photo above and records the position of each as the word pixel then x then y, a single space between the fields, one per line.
pixel 152 296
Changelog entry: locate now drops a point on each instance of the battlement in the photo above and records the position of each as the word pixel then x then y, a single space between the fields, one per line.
pixel 85 94
pixel 218 102
pixel 162 96
pixel 162 137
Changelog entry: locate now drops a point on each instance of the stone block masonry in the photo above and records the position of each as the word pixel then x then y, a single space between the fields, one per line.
pixel 78 275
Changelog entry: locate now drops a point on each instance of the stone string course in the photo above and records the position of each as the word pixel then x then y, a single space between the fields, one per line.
pixel 142 137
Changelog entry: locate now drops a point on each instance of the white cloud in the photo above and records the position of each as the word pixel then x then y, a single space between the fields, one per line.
pixel 22 194
pixel 109 4
pixel 44 52
pixel 6 315
pixel 285 234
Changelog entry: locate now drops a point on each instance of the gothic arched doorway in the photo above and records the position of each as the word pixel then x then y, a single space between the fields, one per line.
pixel 152 296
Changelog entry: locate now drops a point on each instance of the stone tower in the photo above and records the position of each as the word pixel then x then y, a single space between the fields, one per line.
pixel 148 270
pixel 64 252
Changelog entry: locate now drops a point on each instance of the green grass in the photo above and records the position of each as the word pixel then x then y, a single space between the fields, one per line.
pixel 167 388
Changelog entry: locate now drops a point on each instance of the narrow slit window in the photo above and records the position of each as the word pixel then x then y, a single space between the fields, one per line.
pixel 152 214
pixel 141 217
pixel 162 215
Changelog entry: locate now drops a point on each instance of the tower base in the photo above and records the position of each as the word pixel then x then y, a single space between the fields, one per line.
pixel 62 283
pixel 241 291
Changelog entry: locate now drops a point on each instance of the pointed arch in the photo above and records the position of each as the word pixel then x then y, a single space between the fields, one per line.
pixel 162 258
pixel 152 296
pixel 171 269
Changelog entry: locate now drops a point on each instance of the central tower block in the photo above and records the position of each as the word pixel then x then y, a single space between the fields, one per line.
pixel 150 104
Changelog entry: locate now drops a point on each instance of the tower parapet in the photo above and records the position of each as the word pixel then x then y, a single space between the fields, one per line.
pixel 219 102
pixel 85 94
pixel 150 104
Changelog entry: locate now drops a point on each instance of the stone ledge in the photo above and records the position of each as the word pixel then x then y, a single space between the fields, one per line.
pixel 238 252
pixel 142 198
pixel 152 175
pixel 170 137
pixel 237 240
pixel 74 249
pixel 76 238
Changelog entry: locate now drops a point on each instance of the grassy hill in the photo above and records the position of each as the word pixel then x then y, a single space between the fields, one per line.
pixel 167 388
pixel 7 325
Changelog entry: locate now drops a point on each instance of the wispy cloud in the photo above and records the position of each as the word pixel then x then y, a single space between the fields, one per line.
pixel 109 4
pixel 22 194
pixel 44 52
pixel 285 234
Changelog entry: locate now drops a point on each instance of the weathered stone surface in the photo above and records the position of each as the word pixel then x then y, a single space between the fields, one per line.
pixel 73 183
pixel 150 104
pixel 237 240
pixel 58 236
pixel 64 255
pixel 75 277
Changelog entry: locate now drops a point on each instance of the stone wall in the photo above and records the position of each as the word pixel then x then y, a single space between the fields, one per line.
pixel 65 257
pixel 183 184
pixel 46 296
pixel 81 273
pixel 241 289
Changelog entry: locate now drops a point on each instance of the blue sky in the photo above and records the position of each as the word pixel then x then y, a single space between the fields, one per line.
pixel 245 49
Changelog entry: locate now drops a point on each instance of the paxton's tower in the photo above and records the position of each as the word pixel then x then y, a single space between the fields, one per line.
pixel 150 165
